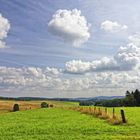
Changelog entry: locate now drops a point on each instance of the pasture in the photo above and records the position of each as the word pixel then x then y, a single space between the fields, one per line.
pixel 61 123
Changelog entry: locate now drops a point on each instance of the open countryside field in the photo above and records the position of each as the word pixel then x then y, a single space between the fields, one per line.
pixel 7 106
pixel 60 123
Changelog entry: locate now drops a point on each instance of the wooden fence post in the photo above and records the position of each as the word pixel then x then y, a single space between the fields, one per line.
pixel 94 110
pixel 113 112
pixel 105 110
pixel 99 111
pixel 123 116
pixel 90 109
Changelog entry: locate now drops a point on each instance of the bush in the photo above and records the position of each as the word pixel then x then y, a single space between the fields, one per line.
pixel 86 103
pixel 16 107
pixel 44 105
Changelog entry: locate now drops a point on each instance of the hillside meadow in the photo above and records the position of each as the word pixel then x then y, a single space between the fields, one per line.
pixel 61 123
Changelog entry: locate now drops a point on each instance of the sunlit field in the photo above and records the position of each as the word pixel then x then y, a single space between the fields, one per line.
pixel 61 123
pixel 7 106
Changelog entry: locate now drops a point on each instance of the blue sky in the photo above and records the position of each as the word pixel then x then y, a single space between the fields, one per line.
pixel 32 43
pixel 29 36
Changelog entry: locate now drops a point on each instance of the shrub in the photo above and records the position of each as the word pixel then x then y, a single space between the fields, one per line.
pixel 16 107
pixel 44 105
pixel 86 103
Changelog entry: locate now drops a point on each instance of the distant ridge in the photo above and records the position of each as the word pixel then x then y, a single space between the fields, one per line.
pixel 98 98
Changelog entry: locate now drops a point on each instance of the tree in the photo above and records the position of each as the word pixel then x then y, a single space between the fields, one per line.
pixel 86 103
pixel 44 105
pixel 127 93
pixel 136 95
pixel 129 99
pixel 112 103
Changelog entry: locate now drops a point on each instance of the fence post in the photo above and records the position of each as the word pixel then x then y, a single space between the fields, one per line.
pixel 113 112
pixel 105 110
pixel 94 110
pixel 123 116
pixel 90 109
pixel 99 111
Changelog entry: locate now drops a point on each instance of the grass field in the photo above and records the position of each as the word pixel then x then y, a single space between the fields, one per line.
pixel 64 124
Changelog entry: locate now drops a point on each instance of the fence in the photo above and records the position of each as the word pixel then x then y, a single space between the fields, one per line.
pixel 103 113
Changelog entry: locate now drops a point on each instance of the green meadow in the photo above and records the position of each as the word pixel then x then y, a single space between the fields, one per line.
pixel 65 124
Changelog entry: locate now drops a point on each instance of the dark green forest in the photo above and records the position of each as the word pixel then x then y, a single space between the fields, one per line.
pixel 130 99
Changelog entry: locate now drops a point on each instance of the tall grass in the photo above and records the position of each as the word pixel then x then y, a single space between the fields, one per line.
pixel 100 112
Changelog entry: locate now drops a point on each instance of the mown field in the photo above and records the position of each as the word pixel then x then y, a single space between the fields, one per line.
pixel 7 105
pixel 64 124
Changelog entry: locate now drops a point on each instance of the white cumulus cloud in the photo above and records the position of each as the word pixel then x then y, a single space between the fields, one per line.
pixel 135 39
pixel 127 58
pixel 77 66
pixel 81 67
pixel 4 28
pixel 31 80
pixel 71 26
pixel 113 27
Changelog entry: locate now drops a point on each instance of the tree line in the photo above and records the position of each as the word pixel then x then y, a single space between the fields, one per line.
pixel 130 99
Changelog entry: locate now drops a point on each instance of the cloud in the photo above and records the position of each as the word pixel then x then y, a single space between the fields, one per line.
pixel 82 67
pixel 4 29
pixel 2 44
pixel 113 27
pixel 27 76
pixel 77 66
pixel 54 72
pixel 71 26
pixel 127 58
pixel 135 39
pixel 32 80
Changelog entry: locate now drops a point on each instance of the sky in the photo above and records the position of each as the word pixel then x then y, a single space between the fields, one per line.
pixel 75 48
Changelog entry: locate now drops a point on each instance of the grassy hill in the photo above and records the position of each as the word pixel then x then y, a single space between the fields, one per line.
pixel 63 124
